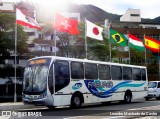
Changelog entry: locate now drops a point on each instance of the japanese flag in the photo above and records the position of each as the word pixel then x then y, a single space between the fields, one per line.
pixel 94 31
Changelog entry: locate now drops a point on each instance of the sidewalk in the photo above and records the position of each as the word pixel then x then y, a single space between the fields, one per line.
pixel 15 106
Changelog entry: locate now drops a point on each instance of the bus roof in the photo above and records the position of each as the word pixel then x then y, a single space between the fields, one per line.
pixel 88 61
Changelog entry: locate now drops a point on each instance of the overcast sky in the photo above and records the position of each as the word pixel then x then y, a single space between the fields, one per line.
pixel 149 8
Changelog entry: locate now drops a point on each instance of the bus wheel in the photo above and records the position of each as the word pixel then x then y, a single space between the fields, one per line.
pixel 146 98
pixel 158 98
pixel 127 97
pixel 51 107
pixel 76 101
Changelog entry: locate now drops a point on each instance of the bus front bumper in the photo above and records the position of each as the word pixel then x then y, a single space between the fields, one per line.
pixel 47 101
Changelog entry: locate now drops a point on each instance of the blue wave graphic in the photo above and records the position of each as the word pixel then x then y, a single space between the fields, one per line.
pixel 108 93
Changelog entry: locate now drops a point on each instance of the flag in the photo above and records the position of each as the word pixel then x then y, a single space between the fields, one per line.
pixel 64 24
pixel 135 42
pixel 94 31
pixel 152 44
pixel 116 37
pixel 25 20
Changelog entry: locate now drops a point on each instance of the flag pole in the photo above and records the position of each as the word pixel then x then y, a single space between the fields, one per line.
pixel 54 33
pixel 107 32
pixel 145 52
pixel 15 59
pixel 129 48
pixel 159 63
pixel 110 53
pixel 85 38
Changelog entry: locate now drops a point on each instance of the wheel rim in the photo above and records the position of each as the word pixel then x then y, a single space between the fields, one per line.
pixel 77 101
pixel 128 98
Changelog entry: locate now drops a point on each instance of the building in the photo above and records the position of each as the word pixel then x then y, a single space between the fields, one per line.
pixel 131 15
pixel 7 7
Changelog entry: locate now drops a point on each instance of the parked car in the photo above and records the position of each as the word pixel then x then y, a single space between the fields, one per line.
pixel 153 90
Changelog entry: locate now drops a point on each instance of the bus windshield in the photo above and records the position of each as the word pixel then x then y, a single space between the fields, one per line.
pixel 35 78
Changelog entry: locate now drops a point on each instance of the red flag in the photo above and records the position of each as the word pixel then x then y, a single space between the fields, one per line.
pixel 25 20
pixel 64 24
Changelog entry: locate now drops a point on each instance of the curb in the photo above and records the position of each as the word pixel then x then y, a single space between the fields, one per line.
pixel 16 106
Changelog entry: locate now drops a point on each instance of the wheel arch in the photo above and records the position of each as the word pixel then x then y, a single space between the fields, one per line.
pixel 129 92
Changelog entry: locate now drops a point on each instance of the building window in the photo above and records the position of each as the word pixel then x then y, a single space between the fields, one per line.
pixel 40 36
pixel 135 15
pixel 31 33
pixel 1 4
pixel 51 36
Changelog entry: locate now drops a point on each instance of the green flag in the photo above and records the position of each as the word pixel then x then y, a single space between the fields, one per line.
pixel 116 37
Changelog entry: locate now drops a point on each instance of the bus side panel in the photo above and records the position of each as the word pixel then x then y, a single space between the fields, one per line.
pixel 117 96
pixel 62 100
pixel 87 98
pixel 137 95
pixel 57 100
pixel 140 92
pixel 105 99
pixel 65 100
pixel 137 89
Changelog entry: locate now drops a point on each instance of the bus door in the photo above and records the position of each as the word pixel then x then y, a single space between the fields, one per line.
pixel 62 79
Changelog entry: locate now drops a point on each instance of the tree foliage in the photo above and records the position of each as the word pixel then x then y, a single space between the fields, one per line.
pixel 7 37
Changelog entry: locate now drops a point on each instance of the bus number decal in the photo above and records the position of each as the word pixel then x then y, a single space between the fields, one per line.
pixel 77 86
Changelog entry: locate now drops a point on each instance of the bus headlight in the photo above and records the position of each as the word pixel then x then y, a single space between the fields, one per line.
pixel 42 95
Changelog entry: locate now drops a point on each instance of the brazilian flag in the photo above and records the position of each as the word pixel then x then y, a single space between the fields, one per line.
pixel 116 37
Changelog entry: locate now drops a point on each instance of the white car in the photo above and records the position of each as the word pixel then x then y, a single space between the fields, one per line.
pixel 153 90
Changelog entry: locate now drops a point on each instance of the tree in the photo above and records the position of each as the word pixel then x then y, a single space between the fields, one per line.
pixel 7 37
pixel 137 57
pixel 100 50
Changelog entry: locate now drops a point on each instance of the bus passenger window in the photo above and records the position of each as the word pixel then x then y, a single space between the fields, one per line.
pixel 136 74
pixel 116 72
pixel 77 71
pixel 143 71
pixel 91 71
pixel 127 73
pixel 104 72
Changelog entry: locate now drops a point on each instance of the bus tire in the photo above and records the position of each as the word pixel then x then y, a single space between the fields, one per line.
pixel 51 107
pixel 106 103
pixel 127 97
pixel 76 101
pixel 158 98
pixel 147 98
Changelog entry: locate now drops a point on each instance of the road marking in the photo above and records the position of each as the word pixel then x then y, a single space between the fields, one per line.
pixel 5 117
pixel 73 117
pixel 150 108
pixel 116 117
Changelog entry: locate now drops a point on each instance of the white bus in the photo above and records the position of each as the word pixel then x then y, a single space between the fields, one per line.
pixel 57 81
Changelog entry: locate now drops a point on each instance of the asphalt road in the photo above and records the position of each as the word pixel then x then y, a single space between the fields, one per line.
pixel 114 110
